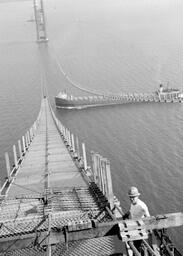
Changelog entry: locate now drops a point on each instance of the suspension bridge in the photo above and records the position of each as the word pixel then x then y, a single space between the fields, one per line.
pixel 54 203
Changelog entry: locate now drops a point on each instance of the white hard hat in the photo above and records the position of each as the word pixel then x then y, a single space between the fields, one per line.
pixel 133 191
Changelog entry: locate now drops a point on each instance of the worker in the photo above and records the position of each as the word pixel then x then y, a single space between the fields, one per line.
pixel 138 210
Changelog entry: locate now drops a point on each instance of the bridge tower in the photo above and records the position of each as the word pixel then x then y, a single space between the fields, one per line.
pixel 40 21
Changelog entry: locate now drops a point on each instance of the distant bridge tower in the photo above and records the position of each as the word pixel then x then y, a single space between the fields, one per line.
pixel 40 21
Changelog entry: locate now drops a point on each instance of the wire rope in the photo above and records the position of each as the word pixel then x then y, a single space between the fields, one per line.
pixel 74 84
pixel 26 188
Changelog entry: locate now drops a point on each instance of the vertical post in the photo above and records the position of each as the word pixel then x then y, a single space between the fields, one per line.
pixel 84 156
pixel 104 178
pixel 58 125
pixel 69 138
pixel 94 166
pixel 99 171
pixel 20 148
pixel 97 165
pixel 61 128
pixel 77 147
pixel 28 137
pixel 102 175
pixel 23 143
pixel 7 165
pixel 15 156
pixel 109 185
pixel 64 132
pixel 67 135
pixel 72 142
pixel 26 142
pixel 31 134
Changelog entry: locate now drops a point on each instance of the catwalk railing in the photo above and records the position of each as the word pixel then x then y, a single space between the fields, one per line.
pixel 99 173
pixel 18 155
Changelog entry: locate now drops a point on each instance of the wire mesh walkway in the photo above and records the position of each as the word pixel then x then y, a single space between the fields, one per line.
pixel 48 163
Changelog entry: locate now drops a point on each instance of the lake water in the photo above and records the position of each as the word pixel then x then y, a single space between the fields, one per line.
pixel 104 46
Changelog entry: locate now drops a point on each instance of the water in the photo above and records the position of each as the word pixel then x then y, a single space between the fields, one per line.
pixel 104 46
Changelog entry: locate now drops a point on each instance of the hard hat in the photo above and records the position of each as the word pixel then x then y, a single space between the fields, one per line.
pixel 133 191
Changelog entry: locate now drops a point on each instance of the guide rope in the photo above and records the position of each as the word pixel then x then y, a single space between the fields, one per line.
pixel 74 84
pixel 34 191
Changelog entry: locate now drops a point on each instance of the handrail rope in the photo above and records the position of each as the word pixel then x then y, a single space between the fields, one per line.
pixel 86 178
pixel 26 188
pixel 53 115
pixel 12 178
pixel 17 212
pixel 76 85
pixel 46 174
pixel 3 207
pixel 41 180
pixel 43 82
pixel 56 120
pixel 6 181
pixel 68 78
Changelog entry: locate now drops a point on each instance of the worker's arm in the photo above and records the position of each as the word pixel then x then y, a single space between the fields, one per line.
pixel 146 212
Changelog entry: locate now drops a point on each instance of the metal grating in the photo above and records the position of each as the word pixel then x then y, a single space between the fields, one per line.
pixel 31 251
pixel 78 198
pixel 68 206
pixel 18 208
pixel 103 246
pixel 28 225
